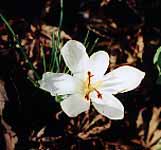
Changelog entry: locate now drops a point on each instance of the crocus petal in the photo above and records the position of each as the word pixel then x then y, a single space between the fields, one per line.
pixel 122 79
pixel 75 56
pixel 109 106
pixel 99 62
pixel 74 104
pixel 59 83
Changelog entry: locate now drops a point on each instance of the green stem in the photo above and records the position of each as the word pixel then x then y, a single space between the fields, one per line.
pixel 33 82
pixel 95 42
pixel 60 21
pixel 8 26
pixel 52 63
pixel 43 58
pixel 86 38
pixel 20 46
pixel 55 58
pixel 87 45
pixel 57 61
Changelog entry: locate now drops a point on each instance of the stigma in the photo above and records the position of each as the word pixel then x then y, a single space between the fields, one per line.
pixel 90 87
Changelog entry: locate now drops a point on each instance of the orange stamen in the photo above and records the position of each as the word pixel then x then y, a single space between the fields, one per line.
pixel 99 95
pixel 87 96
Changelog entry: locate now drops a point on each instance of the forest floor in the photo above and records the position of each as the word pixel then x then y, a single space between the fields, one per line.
pixel 31 119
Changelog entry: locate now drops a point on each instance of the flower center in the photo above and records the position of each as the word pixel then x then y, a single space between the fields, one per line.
pixel 91 87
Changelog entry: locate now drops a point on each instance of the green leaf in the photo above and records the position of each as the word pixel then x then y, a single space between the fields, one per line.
pixel 59 98
pixel 157 57
pixel 157 63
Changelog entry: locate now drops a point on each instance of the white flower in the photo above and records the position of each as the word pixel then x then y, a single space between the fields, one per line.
pixel 90 83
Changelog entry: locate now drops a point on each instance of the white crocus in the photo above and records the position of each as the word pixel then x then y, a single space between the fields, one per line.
pixel 89 83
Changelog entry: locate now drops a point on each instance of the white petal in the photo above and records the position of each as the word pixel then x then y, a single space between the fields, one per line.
pixel 122 79
pixel 75 56
pixel 109 106
pixel 74 105
pixel 99 62
pixel 59 83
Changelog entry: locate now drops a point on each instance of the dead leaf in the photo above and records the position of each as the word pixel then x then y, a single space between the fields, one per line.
pixel 149 132
pixel 104 3
pixel 9 136
pixel 3 96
